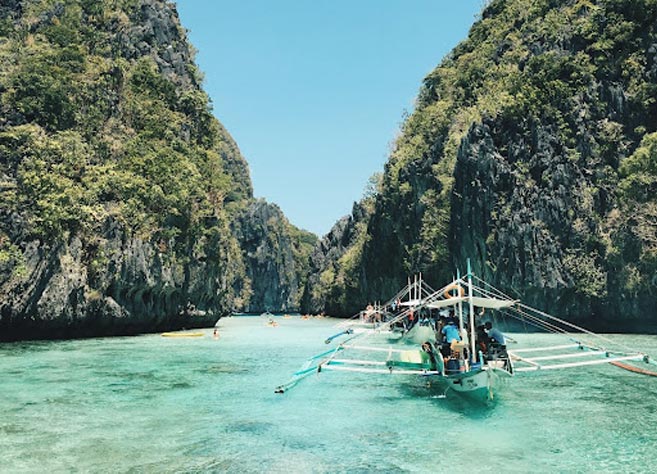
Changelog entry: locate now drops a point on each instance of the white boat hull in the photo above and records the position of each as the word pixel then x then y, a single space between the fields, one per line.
pixel 480 385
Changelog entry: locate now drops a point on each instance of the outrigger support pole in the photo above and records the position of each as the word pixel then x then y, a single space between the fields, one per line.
pixel 472 320
pixel 330 338
pixel 313 365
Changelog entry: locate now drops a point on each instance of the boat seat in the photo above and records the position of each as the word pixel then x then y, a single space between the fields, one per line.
pixel 458 346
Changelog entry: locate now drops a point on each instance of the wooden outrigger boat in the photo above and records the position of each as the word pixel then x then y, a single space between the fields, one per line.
pixel 378 317
pixel 469 366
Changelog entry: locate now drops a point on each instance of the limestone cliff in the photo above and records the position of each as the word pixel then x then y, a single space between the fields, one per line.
pixel 332 279
pixel 275 255
pixel 117 184
pixel 530 152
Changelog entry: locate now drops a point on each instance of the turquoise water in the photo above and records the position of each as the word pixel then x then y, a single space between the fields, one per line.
pixel 154 404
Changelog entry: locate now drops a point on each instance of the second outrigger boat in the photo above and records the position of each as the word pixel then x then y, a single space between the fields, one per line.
pixel 471 364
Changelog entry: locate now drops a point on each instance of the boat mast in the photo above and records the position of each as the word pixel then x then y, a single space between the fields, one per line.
pixel 458 295
pixel 472 327
pixel 414 286
pixel 409 291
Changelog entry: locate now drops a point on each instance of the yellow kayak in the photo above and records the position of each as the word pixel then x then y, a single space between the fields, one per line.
pixel 183 334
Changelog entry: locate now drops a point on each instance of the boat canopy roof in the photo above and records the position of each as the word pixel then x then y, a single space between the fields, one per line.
pixel 411 303
pixel 491 303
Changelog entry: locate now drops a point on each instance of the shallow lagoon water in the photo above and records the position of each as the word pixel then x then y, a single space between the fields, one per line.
pixel 155 404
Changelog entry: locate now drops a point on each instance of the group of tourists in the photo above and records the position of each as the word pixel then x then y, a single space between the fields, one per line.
pixel 371 314
pixel 451 341
pixel 488 339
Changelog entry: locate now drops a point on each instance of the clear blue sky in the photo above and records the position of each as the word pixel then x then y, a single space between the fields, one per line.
pixel 313 91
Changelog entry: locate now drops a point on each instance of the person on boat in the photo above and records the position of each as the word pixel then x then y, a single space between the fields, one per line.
pixel 452 347
pixel 451 332
pixel 428 348
pixel 369 309
pixel 497 344
pixel 481 338
pixel 451 317
pixel 422 318
pixel 412 320
pixel 442 321
pixel 494 334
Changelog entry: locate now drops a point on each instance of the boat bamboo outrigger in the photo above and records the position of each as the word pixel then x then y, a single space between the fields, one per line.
pixel 469 362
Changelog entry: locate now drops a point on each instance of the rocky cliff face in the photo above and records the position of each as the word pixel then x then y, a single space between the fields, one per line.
pixel 138 289
pixel 117 185
pixel 535 186
pixel 333 279
pixel 323 259
pixel 521 155
pixel 275 258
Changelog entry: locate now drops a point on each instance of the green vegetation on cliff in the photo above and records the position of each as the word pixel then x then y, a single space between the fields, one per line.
pixel 633 225
pixel 335 281
pixel 89 133
pixel 117 184
pixel 523 154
